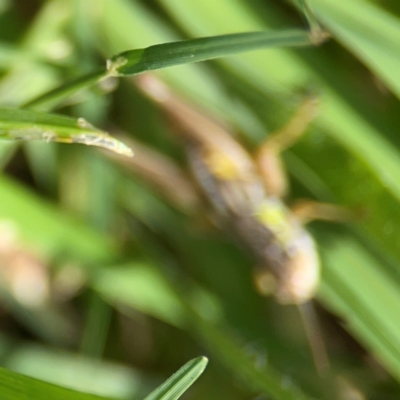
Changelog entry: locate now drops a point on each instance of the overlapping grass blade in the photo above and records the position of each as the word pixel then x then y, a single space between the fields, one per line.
pixel 32 125
pixel 176 53
pixel 179 383
pixel 201 49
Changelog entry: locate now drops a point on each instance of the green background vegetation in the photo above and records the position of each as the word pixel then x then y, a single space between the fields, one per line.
pixel 108 286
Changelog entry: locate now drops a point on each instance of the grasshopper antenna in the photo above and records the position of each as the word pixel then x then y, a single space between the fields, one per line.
pixel 316 342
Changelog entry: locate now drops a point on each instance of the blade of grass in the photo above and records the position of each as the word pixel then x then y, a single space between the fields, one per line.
pixel 359 304
pixel 176 53
pixel 14 386
pixel 76 371
pixel 32 125
pixel 52 232
pixel 369 32
pixel 57 95
pixel 201 49
pixel 143 287
pixel 274 71
pixel 179 383
pixel 150 29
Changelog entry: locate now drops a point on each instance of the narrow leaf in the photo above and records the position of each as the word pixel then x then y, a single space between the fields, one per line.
pixel 176 53
pixel 32 125
pixel 177 384
pixel 201 49
pixel 53 97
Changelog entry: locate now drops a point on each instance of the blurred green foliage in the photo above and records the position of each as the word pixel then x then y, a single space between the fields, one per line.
pixel 109 283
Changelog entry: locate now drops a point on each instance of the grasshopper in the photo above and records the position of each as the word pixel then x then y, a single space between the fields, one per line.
pixel 246 193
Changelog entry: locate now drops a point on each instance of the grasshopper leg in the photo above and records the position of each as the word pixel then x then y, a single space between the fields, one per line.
pixel 268 156
pixel 305 211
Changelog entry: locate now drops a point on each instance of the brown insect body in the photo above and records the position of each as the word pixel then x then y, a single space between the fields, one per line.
pixel 231 181
pixel 286 255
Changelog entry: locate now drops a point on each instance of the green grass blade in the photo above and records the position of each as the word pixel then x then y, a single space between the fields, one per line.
pixel 368 31
pixel 14 386
pixel 264 379
pixel 351 293
pixel 145 288
pixel 53 97
pixel 177 384
pixel 32 125
pixel 58 233
pixel 177 53
pixel 195 50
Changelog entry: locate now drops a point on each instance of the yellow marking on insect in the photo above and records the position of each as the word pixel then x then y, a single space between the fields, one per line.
pixel 273 215
pixel 222 166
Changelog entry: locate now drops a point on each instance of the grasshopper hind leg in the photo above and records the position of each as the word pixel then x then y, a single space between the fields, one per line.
pixel 273 172
pixel 305 211
pixel 274 177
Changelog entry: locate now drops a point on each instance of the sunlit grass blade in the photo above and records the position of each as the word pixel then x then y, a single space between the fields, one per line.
pixel 178 383
pixel 32 125
pixel 14 386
